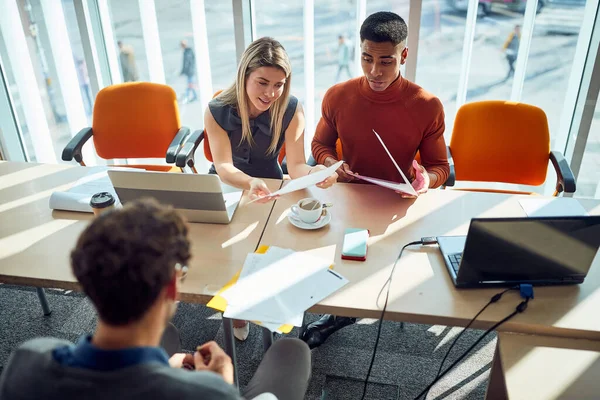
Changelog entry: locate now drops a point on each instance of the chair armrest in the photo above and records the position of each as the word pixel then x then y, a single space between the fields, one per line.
pixel 176 144
pixel 565 181
pixel 452 175
pixel 73 148
pixel 185 155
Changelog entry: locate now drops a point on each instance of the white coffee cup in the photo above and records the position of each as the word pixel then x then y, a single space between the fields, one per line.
pixel 308 210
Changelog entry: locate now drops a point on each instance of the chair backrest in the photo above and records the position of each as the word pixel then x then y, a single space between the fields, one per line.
pixel 206 147
pixel 501 141
pixel 135 120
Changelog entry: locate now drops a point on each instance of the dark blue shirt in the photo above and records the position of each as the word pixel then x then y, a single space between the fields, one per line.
pixel 85 355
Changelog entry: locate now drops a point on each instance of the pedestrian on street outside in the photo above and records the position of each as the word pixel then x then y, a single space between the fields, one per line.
pixel 128 65
pixel 343 58
pixel 511 49
pixel 188 68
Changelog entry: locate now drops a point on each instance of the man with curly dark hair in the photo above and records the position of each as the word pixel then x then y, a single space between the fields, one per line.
pixel 130 263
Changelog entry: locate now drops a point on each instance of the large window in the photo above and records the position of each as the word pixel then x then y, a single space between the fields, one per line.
pixel 283 21
pixel 335 46
pixel 130 45
pixel 221 43
pixel 47 81
pixel 46 77
pixel 551 58
pixel 440 51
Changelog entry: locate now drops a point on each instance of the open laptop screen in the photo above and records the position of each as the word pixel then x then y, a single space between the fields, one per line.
pixel 530 249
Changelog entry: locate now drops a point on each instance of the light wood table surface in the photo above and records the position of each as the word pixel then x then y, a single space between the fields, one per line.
pixel 544 368
pixel 35 242
pixel 422 291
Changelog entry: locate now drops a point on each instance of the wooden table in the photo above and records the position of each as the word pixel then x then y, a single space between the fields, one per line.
pixel 35 242
pixel 422 291
pixel 544 368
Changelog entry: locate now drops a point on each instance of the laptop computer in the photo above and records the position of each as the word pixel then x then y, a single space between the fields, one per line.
pixel 200 198
pixel 534 250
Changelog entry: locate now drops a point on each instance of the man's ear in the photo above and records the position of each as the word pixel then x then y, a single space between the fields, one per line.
pixel 403 56
pixel 171 288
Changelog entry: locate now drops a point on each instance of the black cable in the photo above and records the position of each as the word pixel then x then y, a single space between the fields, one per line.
pixel 495 298
pixel 519 309
pixel 388 282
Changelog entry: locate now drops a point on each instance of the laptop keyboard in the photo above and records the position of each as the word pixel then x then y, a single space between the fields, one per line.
pixel 455 261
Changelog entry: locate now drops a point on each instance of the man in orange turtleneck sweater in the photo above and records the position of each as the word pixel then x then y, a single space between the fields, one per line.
pixel 408 119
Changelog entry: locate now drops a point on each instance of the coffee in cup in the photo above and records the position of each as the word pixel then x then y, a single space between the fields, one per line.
pixel 308 210
pixel 102 202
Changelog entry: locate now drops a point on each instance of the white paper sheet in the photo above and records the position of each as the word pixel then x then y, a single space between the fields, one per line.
pixel 292 301
pixel 555 207
pixel 282 290
pixel 304 181
pixel 78 197
pixel 405 187
pixel 400 187
pixel 254 262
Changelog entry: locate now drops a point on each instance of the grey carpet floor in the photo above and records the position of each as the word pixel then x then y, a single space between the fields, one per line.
pixel 407 359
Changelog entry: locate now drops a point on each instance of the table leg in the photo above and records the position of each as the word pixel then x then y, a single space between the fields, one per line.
pixel 230 347
pixel 302 329
pixel 267 339
pixel 496 389
pixel 43 301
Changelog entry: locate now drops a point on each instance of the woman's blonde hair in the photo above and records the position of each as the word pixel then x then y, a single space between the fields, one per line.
pixel 263 52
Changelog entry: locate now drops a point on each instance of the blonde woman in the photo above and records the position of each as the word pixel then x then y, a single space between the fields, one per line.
pixel 249 123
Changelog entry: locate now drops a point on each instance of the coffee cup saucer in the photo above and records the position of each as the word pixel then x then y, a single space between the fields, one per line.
pixel 321 222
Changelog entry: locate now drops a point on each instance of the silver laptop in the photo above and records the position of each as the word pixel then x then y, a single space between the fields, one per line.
pixel 200 198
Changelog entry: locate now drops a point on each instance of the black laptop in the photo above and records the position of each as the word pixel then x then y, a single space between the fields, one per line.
pixel 535 250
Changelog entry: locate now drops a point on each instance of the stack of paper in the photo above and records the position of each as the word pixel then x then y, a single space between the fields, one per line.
pixel 78 197
pixel 277 287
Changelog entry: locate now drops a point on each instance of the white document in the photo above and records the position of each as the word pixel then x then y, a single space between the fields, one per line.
pixel 405 187
pixel 305 181
pixel 555 207
pixel 282 290
pixel 78 197
pixel 255 262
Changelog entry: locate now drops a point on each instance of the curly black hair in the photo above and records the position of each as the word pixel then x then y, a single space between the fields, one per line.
pixel 384 26
pixel 125 257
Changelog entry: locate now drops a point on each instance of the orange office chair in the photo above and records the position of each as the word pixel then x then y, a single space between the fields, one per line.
pixel 133 120
pixel 183 158
pixel 501 141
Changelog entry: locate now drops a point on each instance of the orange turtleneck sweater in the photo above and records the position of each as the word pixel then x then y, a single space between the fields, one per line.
pixel 407 118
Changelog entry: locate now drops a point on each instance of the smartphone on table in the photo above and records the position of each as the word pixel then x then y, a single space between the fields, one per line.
pixel 355 244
